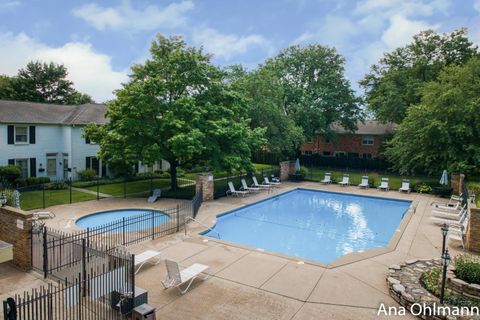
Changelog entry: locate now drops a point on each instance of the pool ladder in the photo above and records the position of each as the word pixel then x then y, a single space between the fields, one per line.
pixel 192 219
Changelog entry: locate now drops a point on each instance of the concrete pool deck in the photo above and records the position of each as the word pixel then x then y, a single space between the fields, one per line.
pixel 250 284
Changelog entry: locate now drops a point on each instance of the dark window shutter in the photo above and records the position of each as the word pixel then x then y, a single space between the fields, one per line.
pixel 33 167
pixel 136 167
pixel 31 133
pixel 11 162
pixel 87 162
pixel 87 141
pixel 11 133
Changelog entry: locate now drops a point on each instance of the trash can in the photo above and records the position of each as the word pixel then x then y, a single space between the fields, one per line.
pixel 143 312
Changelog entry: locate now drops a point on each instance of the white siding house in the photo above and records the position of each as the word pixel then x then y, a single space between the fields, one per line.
pixel 46 140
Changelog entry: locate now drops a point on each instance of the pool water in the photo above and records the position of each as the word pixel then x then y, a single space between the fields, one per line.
pixel 314 225
pixel 138 219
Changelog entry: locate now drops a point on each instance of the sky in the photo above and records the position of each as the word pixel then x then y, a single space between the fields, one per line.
pixel 98 41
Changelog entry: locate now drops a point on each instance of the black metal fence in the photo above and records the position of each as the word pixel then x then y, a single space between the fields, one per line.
pixel 344 162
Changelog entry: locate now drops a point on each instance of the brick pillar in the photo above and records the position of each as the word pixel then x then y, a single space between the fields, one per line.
pixel 286 168
pixel 205 180
pixel 473 230
pixel 455 183
pixel 16 229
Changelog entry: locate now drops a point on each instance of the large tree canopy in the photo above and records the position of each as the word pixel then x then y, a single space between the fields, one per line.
pixel 316 93
pixel 177 106
pixel 396 82
pixel 42 82
pixel 443 130
pixel 265 107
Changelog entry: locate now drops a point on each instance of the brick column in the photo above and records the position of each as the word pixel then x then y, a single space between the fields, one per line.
pixel 455 183
pixel 205 180
pixel 16 229
pixel 473 230
pixel 286 168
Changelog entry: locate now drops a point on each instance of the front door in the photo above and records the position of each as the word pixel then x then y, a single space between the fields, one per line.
pixel 65 168
pixel 23 164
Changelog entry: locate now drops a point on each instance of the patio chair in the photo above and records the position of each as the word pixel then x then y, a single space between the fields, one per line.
pixel 231 191
pixel 43 215
pixel 148 256
pixel 345 180
pixel 454 201
pixel 270 183
pixel 450 214
pixel 364 183
pixel 155 195
pixel 176 278
pixel 457 233
pixel 405 186
pixel 327 179
pixel 384 185
pixel 456 206
pixel 261 186
pixel 245 187
pixel 452 221
pixel 274 179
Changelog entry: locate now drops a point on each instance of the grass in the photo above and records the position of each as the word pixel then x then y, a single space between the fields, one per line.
pixel 395 181
pixel 137 188
pixel 474 187
pixel 30 200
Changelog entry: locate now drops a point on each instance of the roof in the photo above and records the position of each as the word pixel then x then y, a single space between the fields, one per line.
pixel 372 127
pixel 45 113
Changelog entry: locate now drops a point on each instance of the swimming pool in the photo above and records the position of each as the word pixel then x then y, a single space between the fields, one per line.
pixel 138 219
pixel 314 225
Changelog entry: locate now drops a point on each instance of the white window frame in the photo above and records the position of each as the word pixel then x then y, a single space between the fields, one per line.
pixel 366 139
pixel 28 165
pixel 339 153
pixel 27 129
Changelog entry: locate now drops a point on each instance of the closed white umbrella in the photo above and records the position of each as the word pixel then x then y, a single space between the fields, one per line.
pixel 444 178
pixel 297 165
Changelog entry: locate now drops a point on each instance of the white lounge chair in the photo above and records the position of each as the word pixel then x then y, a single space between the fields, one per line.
pixel 327 179
pixel 456 206
pixel 245 187
pixel 364 183
pixel 43 215
pixel 405 186
pixel 231 190
pixel 457 233
pixel 148 256
pixel 155 195
pixel 453 221
pixel 261 186
pixel 176 278
pixel 270 183
pixel 450 213
pixel 345 180
pixel 384 185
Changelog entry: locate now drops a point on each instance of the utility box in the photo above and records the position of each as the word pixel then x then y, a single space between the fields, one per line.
pixel 143 312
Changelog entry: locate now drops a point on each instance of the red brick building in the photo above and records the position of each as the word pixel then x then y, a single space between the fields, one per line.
pixel 366 142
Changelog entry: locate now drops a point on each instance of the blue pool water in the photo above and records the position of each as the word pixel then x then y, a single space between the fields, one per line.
pixel 315 225
pixel 138 219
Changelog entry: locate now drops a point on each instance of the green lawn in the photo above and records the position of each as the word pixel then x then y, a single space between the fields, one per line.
pixel 138 188
pixel 395 181
pixel 34 199
pixel 474 187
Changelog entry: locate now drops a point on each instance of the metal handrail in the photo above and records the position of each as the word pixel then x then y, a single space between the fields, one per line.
pixel 190 218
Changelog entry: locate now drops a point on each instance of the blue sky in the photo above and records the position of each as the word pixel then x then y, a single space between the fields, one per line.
pixel 99 40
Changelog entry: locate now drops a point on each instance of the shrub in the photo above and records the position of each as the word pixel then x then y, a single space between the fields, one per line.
pixel 467 268
pixel 10 173
pixel 423 188
pixel 431 280
pixel 87 174
pixel 304 171
pixel 9 195
pixel 58 185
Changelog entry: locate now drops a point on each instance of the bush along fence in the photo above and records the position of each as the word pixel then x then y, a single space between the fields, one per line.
pixel 95 274
pixel 221 183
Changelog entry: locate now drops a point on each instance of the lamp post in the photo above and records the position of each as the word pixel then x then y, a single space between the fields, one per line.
pixel 445 261
pixel 444 233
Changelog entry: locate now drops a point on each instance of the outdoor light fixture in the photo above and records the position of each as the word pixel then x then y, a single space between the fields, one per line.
pixel 444 233
pixel 445 261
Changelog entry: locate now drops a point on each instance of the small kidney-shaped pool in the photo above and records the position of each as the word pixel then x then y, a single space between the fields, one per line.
pixel 137 219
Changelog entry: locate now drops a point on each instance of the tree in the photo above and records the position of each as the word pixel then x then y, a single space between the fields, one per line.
pixel 265 98
pixel 442 131
pixel 43 82
pixel 6 87
pixel 396 82
pixel 316 93
pixel 177 106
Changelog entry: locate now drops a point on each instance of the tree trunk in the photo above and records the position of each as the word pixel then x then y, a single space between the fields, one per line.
pixel 173 175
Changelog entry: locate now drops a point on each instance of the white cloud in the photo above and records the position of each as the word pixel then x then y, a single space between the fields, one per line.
pixel 9 4
pixel 401 31
pixel 476 5
pixel 387 8
pixel 126 17
pixel 91 72
pixel 226 45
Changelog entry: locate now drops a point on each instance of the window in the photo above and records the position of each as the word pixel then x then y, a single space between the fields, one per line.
pixel 353 155
pixel 23 164
pixel 367 140
pixel 21 134
pixel 327 154
pixel 326 140
pixel 340 154
pixel 51 167
pixel 307 152
pixel 367 156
